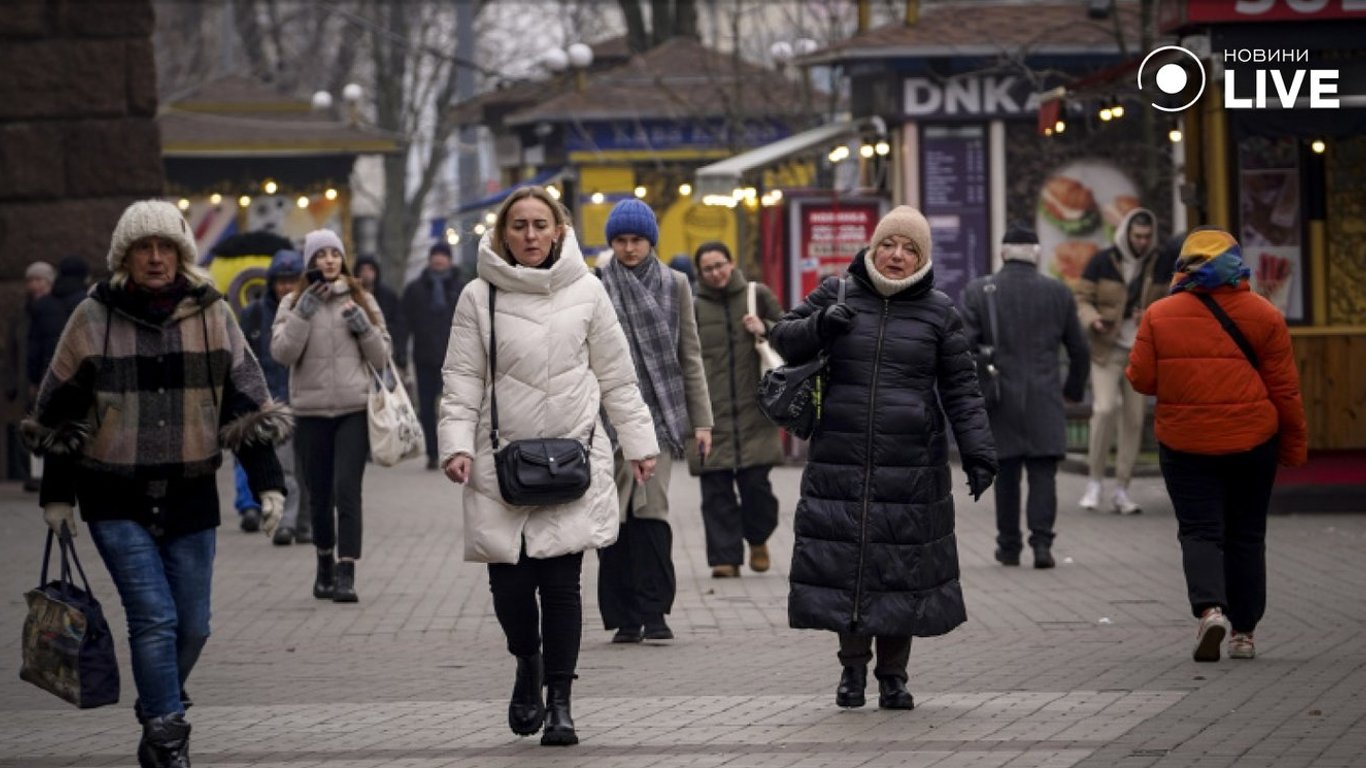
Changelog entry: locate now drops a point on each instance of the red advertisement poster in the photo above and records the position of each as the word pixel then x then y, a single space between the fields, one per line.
pixel 826 234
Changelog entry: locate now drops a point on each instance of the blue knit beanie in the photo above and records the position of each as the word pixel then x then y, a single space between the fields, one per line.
pixel 632 217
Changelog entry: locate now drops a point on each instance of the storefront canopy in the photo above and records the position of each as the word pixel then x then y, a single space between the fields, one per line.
pixel 721 177
pixel 544 177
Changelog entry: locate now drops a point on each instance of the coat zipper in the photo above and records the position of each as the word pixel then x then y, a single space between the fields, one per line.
pixel 868 463
pixel 730 352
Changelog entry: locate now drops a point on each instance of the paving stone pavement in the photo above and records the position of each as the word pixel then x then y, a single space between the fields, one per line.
pixel 1085 665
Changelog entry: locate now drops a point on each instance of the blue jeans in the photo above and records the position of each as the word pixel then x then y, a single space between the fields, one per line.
pixel 164 586
pixel 244 500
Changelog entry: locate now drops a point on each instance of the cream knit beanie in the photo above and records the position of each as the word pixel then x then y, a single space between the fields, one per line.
pixel 146 218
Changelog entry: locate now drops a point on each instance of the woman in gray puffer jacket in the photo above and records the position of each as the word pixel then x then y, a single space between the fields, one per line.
pixel 331 333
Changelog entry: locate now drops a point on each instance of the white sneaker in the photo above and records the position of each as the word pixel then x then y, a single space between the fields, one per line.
pixel 1214 627
pixel 1240 646
pixel 1125 505
pixel 1091 499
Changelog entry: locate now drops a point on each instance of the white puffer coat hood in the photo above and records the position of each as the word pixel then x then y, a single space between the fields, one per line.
pixel 561 354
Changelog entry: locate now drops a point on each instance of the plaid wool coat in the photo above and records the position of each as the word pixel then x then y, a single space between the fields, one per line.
pixel 133 409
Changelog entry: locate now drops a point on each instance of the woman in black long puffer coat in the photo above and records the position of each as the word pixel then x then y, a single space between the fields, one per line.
pixel 876 557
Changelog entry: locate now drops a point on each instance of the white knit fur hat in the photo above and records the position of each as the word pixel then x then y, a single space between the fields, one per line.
pixel 146 218
pixel 319 239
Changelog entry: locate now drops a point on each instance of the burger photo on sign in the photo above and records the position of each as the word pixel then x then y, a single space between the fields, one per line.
pixel 1074 201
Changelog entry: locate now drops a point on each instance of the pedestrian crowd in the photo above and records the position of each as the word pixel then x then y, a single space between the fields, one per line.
pixel 560 396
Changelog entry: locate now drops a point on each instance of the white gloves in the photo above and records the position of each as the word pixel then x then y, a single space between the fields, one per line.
pixel 56 514
pixel 272 510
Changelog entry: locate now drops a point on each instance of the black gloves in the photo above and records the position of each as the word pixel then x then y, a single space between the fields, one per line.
pixel 836 320
pixel 979 479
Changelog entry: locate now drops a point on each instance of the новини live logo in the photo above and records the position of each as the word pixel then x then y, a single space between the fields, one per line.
pixel 1278 76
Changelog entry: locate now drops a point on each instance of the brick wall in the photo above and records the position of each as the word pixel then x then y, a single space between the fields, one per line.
pixel 78 137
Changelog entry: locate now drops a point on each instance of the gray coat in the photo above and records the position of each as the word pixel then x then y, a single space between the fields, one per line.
pixel 1036 315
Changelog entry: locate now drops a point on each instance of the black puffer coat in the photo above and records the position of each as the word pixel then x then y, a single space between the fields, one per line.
pixel 875 548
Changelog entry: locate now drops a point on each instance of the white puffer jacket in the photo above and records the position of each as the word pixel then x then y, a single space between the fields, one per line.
pixel 328 375
pixel 561 353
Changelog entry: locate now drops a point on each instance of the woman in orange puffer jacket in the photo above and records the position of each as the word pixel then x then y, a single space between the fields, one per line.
pixel 1222 426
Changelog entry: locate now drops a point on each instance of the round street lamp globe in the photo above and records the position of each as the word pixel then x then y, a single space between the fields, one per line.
pixel 352 92
pixel 322 100
pixel 556 60
pixel 580 55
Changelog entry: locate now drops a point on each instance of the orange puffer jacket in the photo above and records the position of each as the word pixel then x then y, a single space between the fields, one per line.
pixel 1210 400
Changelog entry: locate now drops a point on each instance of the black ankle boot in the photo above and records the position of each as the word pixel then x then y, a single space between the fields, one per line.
pixel 344 591
pixel 323 585
pixel 852 682
pixel 526 712
pixel 892 694
pixel 559 725
pixel 165 743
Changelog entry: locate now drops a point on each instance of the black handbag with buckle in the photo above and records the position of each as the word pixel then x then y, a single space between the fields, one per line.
pixel 539 471
pixel 790 395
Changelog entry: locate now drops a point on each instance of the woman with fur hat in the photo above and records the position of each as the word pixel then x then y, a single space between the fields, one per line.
pixel 562 360
pixel 876 558
pixel 151 380
pixel 1219 359
pixel 330 333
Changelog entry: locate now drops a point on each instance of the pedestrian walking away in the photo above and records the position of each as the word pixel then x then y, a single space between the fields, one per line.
pixel 1035 317
pixel 34 329
pixel 636 583
pixel 1115 287
pixel 157 358
pixel 428 305
pixel 875 557
pixel 371 277
pixel 283 277
pixel 562 358
pixel 745 445
pixel 1219 359
pixel 331 334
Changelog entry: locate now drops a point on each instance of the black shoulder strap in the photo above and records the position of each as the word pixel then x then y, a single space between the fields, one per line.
pixel 990 289
pixel 493 369
pixel 1230 327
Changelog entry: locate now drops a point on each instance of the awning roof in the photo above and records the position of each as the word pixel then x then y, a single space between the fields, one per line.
pixel 721 177
pixel 494 199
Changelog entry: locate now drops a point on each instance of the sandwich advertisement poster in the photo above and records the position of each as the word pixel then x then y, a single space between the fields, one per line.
pixel 1079 206
pixel 1269 209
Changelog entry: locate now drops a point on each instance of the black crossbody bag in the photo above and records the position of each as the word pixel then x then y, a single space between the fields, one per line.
pixel 538 471
pixel 1231 328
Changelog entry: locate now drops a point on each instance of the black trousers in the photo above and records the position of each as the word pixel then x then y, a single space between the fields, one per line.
pixel 428 401
pixel 1041 506
pixel 553 627
pixel 752 517
pixel 1221 505
pixel 636 574
pixel 332 453
pixel 893 654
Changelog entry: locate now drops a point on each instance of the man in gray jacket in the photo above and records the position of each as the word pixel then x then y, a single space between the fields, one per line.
pixel 1035 315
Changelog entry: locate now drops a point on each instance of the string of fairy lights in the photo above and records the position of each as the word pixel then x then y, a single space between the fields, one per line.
pixel 269 188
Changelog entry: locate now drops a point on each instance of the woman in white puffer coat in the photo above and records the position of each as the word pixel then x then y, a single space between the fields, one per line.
pixel 562 356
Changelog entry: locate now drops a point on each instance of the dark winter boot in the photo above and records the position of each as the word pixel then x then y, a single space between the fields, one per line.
pixel 852 682
pixel 892 694
pixel 559 725
pixel 526 712
pixel 345 589
pixel 323 584
pixel 165 743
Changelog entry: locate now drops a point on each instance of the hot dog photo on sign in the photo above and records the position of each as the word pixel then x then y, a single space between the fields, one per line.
pixel 1079 206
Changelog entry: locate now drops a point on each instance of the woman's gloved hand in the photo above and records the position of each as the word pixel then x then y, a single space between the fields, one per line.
pixel 979 479
pixel 272 511
pixel 836 320
pixel 356 321
pixel 310 300
pixel 57 514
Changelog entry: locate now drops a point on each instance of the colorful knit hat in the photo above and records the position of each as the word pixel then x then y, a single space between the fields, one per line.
pixel 1209 258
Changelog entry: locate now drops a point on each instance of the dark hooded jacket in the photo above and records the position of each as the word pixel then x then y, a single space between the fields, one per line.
pixel 875 550
pixel 72 285
pixel 390 307
pixel 428 322
pixel 259 316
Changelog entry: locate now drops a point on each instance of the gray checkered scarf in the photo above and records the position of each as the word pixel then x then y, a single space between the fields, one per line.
pixel 647 307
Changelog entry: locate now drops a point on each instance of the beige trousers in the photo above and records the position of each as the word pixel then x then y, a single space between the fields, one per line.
pixel 1113 399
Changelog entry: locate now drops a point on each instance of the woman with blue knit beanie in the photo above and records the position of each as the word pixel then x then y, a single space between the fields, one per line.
pixel 636 583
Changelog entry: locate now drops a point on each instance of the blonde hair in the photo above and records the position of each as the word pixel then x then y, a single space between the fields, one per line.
pixel 195 275
pixel 500 224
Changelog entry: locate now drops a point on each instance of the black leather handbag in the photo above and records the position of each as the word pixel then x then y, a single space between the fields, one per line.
pixel 538 471
pixel 790 395
pixel 984 355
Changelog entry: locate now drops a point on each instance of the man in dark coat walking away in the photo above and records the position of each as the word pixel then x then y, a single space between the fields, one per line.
pixel 1035 315
pixel 73 282
pixel 369 274
pixel 428 306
